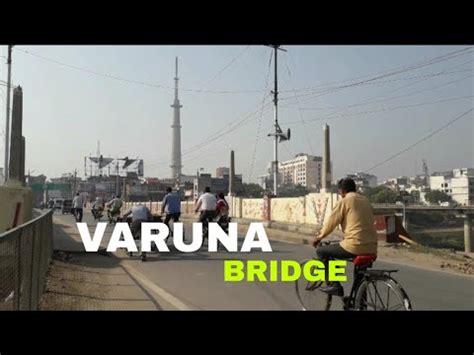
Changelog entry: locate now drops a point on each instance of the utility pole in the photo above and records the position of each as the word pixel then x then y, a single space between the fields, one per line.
pixel 117 181
pixel 7 117
pixel 75 182
pixel 278 135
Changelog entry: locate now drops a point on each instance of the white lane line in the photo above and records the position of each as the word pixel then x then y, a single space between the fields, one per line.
pixel 175 302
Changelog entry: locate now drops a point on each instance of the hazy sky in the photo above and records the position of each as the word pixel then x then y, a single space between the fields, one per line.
pixel 66 111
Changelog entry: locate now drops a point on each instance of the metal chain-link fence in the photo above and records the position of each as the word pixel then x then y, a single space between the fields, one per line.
pixel 25 253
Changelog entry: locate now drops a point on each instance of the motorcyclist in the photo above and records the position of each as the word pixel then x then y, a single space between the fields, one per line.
pixel 114 207
pixel 97 207
pixel 140 214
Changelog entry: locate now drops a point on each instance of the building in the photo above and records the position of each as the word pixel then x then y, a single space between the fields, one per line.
pixel 304 170
pixel 457 183
pixel 418 181
pixel 462 189
pixel 442 183
pixel 363 180
pixel 216 184
pixel 463 172
pixel 220 172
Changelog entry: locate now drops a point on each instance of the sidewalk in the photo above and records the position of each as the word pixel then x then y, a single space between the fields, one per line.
pixel 78 280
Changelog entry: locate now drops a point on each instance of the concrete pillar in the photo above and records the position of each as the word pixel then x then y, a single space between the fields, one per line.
pixel 468 237
pixel 232 174
pixel 16 136
pixel 22 164
pixel 326 175
pixel 407 223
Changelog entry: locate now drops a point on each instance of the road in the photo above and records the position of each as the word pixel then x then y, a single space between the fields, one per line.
pixel 195 280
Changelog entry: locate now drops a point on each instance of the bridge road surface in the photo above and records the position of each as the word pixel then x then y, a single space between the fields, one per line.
pixel 197 279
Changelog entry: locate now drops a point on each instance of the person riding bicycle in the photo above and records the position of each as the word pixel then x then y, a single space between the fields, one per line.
pixel 206 205
pixel 355 215
pixel 114 207
pixel 171 205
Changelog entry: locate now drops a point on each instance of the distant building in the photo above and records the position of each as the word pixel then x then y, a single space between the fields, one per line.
pixel 304 170
pixel 220 172
pixel 363 180
pixel 462 189
pixel 457 183
pixel 216 184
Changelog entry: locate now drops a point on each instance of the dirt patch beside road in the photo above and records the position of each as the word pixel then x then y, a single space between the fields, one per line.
pixel 90 281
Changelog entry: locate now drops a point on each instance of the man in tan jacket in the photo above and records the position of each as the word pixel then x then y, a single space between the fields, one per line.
pixel 354 213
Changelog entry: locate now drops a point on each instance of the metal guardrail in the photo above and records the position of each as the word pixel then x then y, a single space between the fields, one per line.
pixel 422 207
pixel 25 254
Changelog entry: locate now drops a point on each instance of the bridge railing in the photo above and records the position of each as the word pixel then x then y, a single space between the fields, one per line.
pixel 25 254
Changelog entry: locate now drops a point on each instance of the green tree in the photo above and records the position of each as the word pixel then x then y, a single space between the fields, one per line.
pixel 436 196
pixel 382 194
pixel 249 190
pixel 292 191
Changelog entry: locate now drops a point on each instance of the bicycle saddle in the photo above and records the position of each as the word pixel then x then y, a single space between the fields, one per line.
pixel 360 260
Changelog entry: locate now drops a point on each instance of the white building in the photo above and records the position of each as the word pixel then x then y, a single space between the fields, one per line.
pixel 458 183
pixel 304 170
pixel 462 190
pixel 442 183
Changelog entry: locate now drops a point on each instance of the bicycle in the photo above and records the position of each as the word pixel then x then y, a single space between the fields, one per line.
pixel 371 290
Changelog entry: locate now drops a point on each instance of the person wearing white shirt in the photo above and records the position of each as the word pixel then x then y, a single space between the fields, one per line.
pixel 206 204
pixel 78 204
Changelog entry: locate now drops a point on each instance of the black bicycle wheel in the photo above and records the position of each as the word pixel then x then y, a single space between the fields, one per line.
pixel 309 296
pixel 381 293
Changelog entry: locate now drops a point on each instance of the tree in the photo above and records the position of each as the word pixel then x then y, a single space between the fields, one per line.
pixel 382 194
pixel 249 190
pixel 437 196
pixel 292 191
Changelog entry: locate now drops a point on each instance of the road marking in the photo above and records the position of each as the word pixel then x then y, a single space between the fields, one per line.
pixel 174 301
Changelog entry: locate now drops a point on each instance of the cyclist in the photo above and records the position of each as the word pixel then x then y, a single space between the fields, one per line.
pixel 206 205
pixel 355 215
pixel 171 205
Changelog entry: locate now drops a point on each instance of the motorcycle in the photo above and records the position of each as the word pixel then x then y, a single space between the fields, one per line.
pixel 137 236
pixel 97 213
pixel 113 217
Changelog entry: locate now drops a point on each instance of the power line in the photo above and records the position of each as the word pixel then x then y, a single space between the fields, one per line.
pixel 313 95
pixel 217 135
pixel 316 95
pixel 299 109
pixel 329 117
pixel 227 66
pixel 396 70
pixel 252 162
pixel 137 82
pixel 342 108
pixel 419 141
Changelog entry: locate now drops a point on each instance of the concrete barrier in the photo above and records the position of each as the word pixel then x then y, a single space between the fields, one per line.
pixel 15 200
